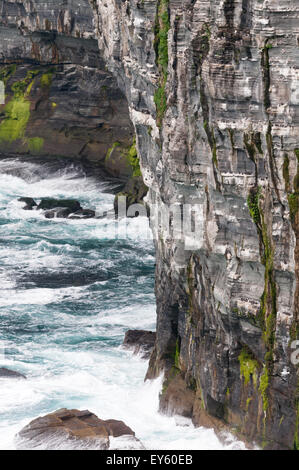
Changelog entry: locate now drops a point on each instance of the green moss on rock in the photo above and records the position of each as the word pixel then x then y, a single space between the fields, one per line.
pixel 17 114
pixel 133 159
pixel 46 80
pixel 248 366
pixel 253 205
pixel 110 150
pixel 264 384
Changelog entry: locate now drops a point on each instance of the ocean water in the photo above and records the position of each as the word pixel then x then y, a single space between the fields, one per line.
pixel 69 291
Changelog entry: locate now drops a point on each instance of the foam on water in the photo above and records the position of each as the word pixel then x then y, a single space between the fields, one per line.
pixel 69 291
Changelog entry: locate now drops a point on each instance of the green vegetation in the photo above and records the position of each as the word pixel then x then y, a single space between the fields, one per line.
pixel 177 355
pixel 293 205
pixel 248 366
pixel 46 79
pixel 133 159
pixel 268 311
pixel 264 384
pixel 161 47
pixel 13 126
pixel 129 154
pixel 248 401
pixel 293 197
pixel 110 150
pixel 35 144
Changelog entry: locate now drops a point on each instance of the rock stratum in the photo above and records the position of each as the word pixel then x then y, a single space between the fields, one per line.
pixel 212 88
pixel 212 92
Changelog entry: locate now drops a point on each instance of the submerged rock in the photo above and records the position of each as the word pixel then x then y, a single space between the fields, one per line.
pixel 74 429
pixel 134 191
pixel 71 204
pixel 29 203
pixel 140 341
pixel 7 373
pixel 74 107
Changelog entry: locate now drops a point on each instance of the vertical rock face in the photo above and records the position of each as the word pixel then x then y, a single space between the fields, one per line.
pixel 212 87
pixel 60 98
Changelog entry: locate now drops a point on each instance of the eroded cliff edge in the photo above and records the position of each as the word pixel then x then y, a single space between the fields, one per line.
pixel 60 98
pixel 212 92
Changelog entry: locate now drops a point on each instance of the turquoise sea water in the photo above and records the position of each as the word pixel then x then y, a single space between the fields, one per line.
pixel 69 291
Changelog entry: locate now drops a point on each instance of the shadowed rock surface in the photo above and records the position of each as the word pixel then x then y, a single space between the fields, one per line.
pixel 70 204
pixel 73 429
pixel 7 373
pixel 140 341
pixel 29 203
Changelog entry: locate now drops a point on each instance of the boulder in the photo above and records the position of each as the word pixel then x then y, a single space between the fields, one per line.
pixel 11 374
pixel 73 429
pixel 29 203
pixel 71 204
pixel 176 396
pixel 58 212
pixel 140 341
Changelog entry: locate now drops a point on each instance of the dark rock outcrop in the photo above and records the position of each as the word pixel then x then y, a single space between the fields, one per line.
pixel 134 192
pixel 73 429
pixel 140 341
pixel 11 374
pixel 29 203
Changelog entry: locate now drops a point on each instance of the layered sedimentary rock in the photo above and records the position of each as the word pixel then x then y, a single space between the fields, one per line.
pixel 60 98
pixel 74 429
pixel 212 93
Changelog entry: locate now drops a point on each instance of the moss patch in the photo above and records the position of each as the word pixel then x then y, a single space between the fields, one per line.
pixel 253 205
pixel 110 150
pixel 161 47
pixel 177 355
pixel 248 366
pixel 7 72
pixel 264 384
pixel 35 144
pixel 132 157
